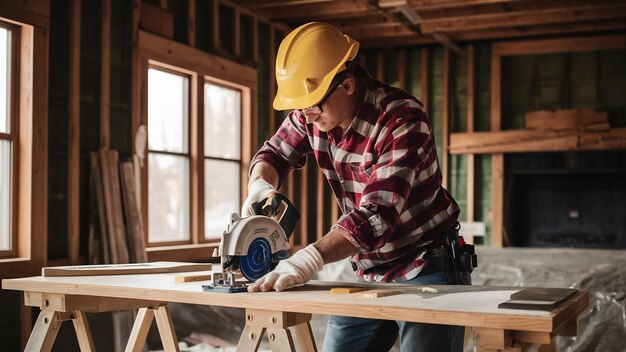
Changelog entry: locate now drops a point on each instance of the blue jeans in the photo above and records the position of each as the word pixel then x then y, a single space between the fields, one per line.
pixel 348 334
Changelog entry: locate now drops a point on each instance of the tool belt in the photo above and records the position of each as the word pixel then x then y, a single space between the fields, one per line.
pixel 458 257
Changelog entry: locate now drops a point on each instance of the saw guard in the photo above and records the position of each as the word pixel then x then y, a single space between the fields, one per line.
pixel 242 232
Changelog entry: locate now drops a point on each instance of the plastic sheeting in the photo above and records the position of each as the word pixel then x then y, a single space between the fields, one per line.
pixel 602 272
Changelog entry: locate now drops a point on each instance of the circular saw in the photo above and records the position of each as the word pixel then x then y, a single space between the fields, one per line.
pixel 255 244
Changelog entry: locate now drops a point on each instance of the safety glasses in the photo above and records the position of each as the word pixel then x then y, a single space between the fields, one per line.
pixel 317 108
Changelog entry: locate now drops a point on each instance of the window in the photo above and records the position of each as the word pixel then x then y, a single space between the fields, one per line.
pixel 7 141
pixel 168 156
pixel 222 157
pixel 198 110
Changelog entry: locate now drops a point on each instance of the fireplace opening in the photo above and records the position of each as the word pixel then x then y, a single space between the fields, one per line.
pixel 565 207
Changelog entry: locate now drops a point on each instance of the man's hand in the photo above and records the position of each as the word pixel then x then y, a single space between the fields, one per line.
pixel 258 190
pixel 295 271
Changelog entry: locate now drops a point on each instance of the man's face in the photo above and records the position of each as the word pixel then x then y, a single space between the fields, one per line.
pixel 332 111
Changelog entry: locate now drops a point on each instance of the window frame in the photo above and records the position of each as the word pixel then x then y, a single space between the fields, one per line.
pixel 13 135
pixel 154 51
pixel 29 121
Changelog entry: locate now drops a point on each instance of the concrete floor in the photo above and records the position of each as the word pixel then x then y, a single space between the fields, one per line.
pixel 602 272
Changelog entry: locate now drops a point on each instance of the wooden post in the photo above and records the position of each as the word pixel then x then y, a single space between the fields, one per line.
pixel 470 128
pixel 105 76
pixel 73 154
pixel 497 160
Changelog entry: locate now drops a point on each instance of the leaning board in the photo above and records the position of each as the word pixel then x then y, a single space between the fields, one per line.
pixel 124 269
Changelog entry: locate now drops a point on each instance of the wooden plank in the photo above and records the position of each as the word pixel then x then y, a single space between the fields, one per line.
pixel 564 119
pixel 113 202
pixel 545 46
pixel 125 269
pixel 493 338
pixel 158 20
pixel 520 141
pixel 345 290
pixel 73 154
pixel 133 220
pixel 379 293
pixel 322 11
pixel 105 76
pixel 99 225
pixel 192 278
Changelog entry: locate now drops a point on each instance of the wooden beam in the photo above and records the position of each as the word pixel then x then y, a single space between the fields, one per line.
pixel 510 19
pixel 73 154
pixel 378 32
pixel 321 11
pixel 196 161
pixel 546 46
pixel 605 25
pixel 437 4
pixel 105 76
pixel 274 3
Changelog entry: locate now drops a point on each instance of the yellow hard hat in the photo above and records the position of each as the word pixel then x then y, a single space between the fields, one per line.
pixel 307 60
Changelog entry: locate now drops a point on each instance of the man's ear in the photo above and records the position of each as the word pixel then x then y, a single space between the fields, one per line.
pixel 349 84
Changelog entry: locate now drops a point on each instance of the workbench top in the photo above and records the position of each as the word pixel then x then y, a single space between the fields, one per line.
pixel 455 305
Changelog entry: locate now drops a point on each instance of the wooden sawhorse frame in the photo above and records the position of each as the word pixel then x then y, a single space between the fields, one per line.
pixel 57 308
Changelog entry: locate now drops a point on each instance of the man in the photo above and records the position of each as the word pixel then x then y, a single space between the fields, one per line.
pixel 374 144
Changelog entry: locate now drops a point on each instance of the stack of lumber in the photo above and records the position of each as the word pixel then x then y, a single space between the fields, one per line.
pixel 117 235
pixel 546 131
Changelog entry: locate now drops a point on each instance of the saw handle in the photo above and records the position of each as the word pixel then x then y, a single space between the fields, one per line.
pixel 279 207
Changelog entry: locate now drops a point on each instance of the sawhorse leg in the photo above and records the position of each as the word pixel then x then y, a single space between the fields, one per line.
pixel 142 325
pixel 47 326
pixel 56 308
pixel 277 323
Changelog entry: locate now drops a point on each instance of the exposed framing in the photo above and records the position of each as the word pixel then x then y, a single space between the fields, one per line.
pixel 498 51
pixel 201 66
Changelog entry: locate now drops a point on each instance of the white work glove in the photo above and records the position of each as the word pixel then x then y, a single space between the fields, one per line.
pixel 292 272
pixel 258 190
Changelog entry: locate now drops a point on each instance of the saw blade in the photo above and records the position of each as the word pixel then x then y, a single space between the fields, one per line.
pixel 258 261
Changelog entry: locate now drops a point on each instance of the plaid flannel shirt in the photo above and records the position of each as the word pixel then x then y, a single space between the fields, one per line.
pixel 384 173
